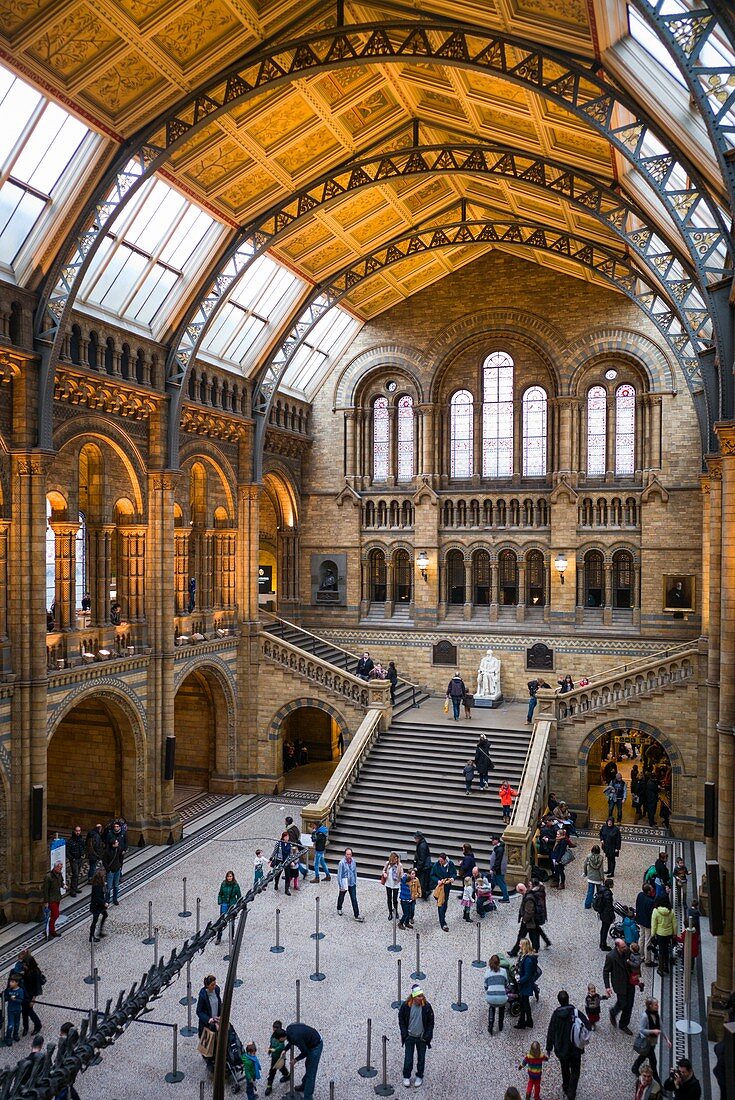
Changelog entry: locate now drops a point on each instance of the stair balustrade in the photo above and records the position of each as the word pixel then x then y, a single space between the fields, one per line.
pixel 368 694
pixel 347 772
pixel 533 790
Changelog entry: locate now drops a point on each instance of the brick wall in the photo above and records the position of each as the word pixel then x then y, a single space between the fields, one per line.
pixel 84 769
pixel 194 728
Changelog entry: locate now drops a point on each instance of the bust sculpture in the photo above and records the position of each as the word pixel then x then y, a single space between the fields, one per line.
pixel 488 677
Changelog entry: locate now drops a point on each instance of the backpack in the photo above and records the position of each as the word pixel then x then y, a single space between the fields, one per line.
pixel 650 874
pixel 581 1035
pixel 598 901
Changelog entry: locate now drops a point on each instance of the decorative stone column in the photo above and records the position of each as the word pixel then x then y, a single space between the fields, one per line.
pixel 181 569
pixel 493 608
pixel 65 535
pixel 4 581
pixel 714 538
pixel 100 571
pixel 428 442
pixel 521 605
pixel 350 457
pixel 468 593
pixel 131 567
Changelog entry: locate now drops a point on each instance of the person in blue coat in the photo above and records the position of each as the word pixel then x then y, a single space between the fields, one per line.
pixel 527 973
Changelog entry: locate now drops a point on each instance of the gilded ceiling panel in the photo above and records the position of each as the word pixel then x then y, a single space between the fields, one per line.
pixel 387 221
pixel 272 127
pixel 76 40
pixel 194 31
pixel 142 11
pixel 370 111
pixel 357 206
pixel 317 145
pixel 565 12
pixel 16 14
pixel 123 83
pixel 252 187
pixel 493 88
pixel 436 190
pixel 332 255
pixel 379 303
pixel 218 163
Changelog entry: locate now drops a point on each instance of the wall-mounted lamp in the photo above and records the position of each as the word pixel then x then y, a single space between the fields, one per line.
pixel 560 564
pixel 423 563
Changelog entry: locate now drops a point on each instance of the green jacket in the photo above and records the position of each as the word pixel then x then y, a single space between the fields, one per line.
pixel 229 893
pixel 52 887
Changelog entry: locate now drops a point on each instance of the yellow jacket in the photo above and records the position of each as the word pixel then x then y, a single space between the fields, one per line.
pixel 663 922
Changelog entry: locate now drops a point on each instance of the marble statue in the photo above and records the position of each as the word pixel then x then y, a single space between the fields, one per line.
pixel 488 677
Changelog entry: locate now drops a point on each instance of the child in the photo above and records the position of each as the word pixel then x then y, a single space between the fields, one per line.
pixel 14 1004
pixel 635 963
pixel 404 896
pixel 276 1049
pixel 467 701
pixel 251 1065
pixel 681 874
pixel 592 1006
pixel 630 928
pixel 415 886
pixel 259 864
pixel 466 900
pixel 469 774
pixel 507 794
pixel 533 1062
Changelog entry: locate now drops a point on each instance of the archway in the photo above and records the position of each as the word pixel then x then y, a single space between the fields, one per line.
pixel 278 551
pixel 202 729
pixel 313 736
pixel 632 749
pixel 91 766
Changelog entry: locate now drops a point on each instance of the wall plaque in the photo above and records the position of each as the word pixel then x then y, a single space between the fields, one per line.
pixel 444 653
pixel 539 658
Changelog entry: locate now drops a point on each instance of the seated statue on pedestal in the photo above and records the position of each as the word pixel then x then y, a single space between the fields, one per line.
pixel 488 677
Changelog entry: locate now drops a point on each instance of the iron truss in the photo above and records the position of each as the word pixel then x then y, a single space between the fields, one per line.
pixel 566 81
pixel 698 40
pixel 611 266
pixel 664 262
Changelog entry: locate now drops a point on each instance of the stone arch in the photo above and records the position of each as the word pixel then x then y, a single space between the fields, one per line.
pixel 671 748
pixel 87 429
pixel 276 722
pixel 640 351
pixel 214 460
pixel 358 371
pixel 125 704
pixel 221 683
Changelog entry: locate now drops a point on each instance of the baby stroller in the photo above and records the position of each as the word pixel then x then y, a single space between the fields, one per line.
pixel 235 1051
pixel 617 930
pixel 511 980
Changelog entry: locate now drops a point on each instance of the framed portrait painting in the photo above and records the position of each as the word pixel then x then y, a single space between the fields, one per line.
pixel 679 592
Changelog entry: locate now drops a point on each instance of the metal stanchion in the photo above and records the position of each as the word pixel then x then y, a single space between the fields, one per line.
pixel 418 974
pixel 459 1005
pixel 155 947
pixel 687 1026
pixel 317 976
pixel 298 1000
pixel 316 934
pixel 479 962
pixel 397 1002
pixel 277 948
pixel 368 1070
pixel 188 999
pixel 394 946
pixel 199 907
pixel 149 937
pixel 184 911
pixel 384 1089
pixel 201 1090
pixel 175 1075
pixel 331 1090
pixel 92 978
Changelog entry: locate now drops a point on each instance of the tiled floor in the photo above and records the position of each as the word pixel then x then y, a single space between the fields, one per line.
pixel 360 981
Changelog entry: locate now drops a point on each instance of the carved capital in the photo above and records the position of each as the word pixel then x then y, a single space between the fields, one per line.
pixel 163 483
pixel 714 467
pixel 725 432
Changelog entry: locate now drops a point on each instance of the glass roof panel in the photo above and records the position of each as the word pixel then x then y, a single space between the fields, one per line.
pixel 647 37
pixel 326 342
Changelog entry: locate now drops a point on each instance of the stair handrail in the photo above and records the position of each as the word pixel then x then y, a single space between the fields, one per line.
pixel 533 786
pixel 365 693
pixel 324 810
pixel 325 641
pixel 616 671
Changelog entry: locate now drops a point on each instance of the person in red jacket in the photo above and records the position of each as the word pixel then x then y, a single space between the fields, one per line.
pixel 507 794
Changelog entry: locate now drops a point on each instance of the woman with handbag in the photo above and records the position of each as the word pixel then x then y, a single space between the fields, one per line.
pixel 527 972
pixel 561 856
pixel 209 1007
pixel 391 879
pixel 644 1044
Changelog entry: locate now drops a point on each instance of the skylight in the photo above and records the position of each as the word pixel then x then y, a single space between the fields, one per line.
pixel 40 147
pixel 652 44
pixel 326 342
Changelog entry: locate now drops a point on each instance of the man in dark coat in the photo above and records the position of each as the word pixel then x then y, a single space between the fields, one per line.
pixel 559 1041
pixel 682 1082
pixel 645 903
pixel 422 863
pixel 365 666
pixel 94 847
pixel 75 852
pixel 416 1021
pixel 616 979
pixel 651 797
pixel 603 905
pixel 483 763
pixel 456 692
pixel 611 841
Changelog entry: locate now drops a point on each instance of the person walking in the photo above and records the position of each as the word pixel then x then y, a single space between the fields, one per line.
pixel 75 854
pixel 294 835
pixel 112 862
pixel 616 978
pixel 468 771
pixel 647 1087
pixel 533 1062
pixel 53 885
pixel 229 894
pixel 527 973
pixel 310 1045
pixel 347 883
pixel 649 1030
pixel 319 838
pixel 94 850
pixel 592 871
pixel 542 914
pixel 469 862
pixel 468 701
pixel 560 857
pixel 13 997
pixel 499 866
pixel 611 841
pixel 651 793
pixel 603 905
pixel 416 1024
pixel 32 983
pixel 663 930
pixel 98 905
pixel 682 1082
pixel 645 903
pixel 483 763
pixel 496 993
pixel 560 1041
pixel 620 791
pixel 506 795
pixel 443 874
pixel 422 863
pixel 391 879
pixel 391 676
pixel 209 1009
pixel 455 694
pixel 527 920
pixel 533 687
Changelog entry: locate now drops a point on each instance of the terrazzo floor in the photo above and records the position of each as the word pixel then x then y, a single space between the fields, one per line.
pixel 361 980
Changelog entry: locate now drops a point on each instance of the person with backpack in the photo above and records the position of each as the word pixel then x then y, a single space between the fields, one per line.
pixel 319 838
pixel 604 907
pixel 568 1034
pixel 456 691
pixel 483 763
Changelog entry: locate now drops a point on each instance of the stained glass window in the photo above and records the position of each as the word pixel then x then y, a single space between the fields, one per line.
pixel 534 432
pixel 381 435
pixel 497 415
pixel 462 435
pixel 596 431
pixel 624 431
pixel 405 438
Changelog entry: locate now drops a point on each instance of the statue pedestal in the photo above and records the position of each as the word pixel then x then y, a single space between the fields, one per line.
pixel 486 702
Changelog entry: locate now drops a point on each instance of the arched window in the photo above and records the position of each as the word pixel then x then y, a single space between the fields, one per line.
pixel 401 577
pixel 50 566
pixel 594 579
pixel 378 575
pixel 455 577
pixel 481 577
pixel 497 415
pixel 405 438
pixel 535 578
pixel 624 431
pixel 381 437
pixel 622 579
pixel 81 560
pixel 596 431
pixel 534 432
pixel 508 577
pixel 461 434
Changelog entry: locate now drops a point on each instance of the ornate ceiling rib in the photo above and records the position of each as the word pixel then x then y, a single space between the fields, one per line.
pixel 665 265
pixel 553 75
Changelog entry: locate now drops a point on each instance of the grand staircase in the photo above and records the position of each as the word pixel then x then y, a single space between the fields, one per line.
pixel 412 779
